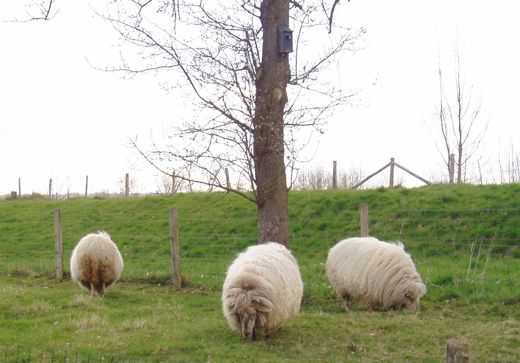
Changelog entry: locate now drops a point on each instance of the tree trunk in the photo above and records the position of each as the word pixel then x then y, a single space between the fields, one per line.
pixel 271 97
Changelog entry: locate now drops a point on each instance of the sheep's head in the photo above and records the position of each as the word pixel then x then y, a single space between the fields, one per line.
pixel 252 315
pixel 410 301
pixel 247 318
pixel 412 297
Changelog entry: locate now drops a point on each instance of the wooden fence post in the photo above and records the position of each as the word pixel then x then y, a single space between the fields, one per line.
pixel 19 187
pixel 127 185
pixel 58 246
pixel 392 167
pixel 174 242
pixel 50 188
pixel 363 219
pixel 334 175
pixel 86 186
pixel 457 351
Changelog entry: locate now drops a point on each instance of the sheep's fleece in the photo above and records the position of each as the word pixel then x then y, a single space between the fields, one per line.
pixel 381 275
pixel 262 290
pixel 96 263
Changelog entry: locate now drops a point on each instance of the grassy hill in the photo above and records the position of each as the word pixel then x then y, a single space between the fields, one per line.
pixel 464 239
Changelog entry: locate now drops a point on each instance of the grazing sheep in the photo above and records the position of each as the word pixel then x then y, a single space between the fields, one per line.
pixel 262 290
pixel 381 275
pixel 96 263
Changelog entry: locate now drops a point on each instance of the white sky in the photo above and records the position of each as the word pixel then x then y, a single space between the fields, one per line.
pixel 61 119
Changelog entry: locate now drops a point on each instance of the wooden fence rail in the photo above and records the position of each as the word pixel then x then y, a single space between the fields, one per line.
pixel 392 164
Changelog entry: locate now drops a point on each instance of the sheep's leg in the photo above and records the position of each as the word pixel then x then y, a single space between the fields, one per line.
pixel 103 288
pixel 344 304
pixel 92 289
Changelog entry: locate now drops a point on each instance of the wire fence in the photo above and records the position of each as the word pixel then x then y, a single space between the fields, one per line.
pixel 17 354
pixel 207 246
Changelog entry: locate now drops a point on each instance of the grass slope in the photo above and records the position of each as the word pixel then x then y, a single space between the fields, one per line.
pixel 464 240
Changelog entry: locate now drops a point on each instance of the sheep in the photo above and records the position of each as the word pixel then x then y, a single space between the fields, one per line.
pixel 262 290
pixel 96 263
pixel 381 275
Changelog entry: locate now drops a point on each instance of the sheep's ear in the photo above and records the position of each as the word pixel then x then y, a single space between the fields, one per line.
pixel 262 304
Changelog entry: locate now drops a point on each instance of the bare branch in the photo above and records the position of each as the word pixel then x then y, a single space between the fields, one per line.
pixel 297 4
pixel 45 10
pixel 330 15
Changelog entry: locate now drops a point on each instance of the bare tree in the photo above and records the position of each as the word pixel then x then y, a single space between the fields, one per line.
pixel 231 57
pixel 461 123
pixel 510 167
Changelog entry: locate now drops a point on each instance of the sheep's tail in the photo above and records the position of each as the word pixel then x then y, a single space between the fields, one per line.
pixel 97 275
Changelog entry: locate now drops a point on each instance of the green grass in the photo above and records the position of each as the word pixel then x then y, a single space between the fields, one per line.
pixel 143 321
pixel 465 241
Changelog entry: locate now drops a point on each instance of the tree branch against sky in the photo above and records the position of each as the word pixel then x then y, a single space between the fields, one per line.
pixel 35 10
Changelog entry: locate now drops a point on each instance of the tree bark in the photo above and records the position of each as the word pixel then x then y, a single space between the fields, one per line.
pixel 271 97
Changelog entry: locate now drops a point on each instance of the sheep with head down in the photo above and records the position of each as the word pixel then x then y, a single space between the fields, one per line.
pixel 380 275
pixel 96 263
pixel 262 290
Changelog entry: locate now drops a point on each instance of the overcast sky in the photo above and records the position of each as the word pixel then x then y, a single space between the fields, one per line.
pixel 61 119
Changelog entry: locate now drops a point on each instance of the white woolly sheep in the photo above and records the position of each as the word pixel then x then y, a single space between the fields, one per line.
pixel 381 275
pixel 96 263
pixel 262 290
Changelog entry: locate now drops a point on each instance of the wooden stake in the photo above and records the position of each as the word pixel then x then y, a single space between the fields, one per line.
pixel 175 249
pixel 127 185
pixel 392 167
pixel 363 219
pixel 457 351
pixel 334 175
pixel 58 246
